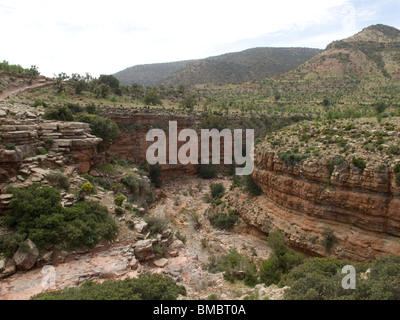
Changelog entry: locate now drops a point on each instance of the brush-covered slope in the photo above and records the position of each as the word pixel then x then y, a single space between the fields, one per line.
pixel 374 52
pixel 238 67
pixel 149 74
pixel 348 78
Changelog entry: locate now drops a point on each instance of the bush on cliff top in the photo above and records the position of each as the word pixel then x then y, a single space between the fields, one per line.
pixel 291 159
pixel 101 127
pixel 60 113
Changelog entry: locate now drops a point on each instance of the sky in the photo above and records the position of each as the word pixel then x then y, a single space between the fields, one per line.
pixel 104 37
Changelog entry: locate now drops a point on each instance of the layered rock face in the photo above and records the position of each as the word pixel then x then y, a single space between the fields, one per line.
pixel 360 207
pixel 72 141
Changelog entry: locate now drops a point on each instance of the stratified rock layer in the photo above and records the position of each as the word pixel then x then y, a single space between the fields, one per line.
pixel 360 207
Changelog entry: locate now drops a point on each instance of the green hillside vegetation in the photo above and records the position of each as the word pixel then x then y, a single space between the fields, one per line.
pixel 238 67
pixel 348 79
pixel 353 144
pixel 17 69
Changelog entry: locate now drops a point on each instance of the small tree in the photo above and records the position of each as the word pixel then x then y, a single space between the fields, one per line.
pixel 152 98
pixel 217 190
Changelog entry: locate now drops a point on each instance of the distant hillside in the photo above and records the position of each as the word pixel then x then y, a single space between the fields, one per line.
pixel 348 78
pixel 375 51
pixel 238 67
pixel 149 74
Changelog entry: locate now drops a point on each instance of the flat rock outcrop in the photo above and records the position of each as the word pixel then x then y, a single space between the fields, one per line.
pixel 20 141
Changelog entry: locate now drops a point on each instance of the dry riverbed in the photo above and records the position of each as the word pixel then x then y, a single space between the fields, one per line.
pixel 182 202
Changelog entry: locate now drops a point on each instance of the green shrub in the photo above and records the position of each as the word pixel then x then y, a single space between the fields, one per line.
pixel 396 170
pixel 250 186
pixel 329 239
pixel 91 108
pixel 119 212
pixel 145 287
pixel 152 98
pixel 42 151
pixel 235 267
pixel 217 190
pixel 88 177
pixel 316 279
pixel 60 113
pixel 9 243
pixel 10 146
pixel 359 163
pixel 283 259
pixel 224 221
pixel 48 143
pixel 395 150
pixel 38 103
pixel 135 184
pixel 101 127
pixel 58 180
pixel 160 251
pixel 104 183
pixel 336 161
pixel 207 171
pixel 156 225
pixel 291 159
pixel 36 213
pixel 119 200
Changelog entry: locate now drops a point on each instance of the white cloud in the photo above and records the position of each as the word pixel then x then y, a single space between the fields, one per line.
pixel 107 36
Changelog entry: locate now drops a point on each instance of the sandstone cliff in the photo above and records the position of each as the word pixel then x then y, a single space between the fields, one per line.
pixel 360 207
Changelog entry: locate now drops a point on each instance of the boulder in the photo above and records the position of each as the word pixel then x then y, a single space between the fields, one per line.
pixel 177 245
pixel 9 269
pixel 26 255
pixel 140 226
pixel 144 250
pixel 45 259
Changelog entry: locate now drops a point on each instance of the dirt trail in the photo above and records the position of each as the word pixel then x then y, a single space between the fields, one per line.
pixel 9 92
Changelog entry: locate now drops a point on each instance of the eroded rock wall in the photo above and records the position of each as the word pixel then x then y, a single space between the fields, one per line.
pixel 362 208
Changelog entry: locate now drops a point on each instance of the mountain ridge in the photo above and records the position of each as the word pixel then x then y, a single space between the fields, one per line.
pixel 234 67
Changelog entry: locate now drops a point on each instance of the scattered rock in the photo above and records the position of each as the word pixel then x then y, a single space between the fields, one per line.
pixel 174 254
pixel 134 264
pixel 176 245
pixel 161 263
pixel 140 226
pixel 62 256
